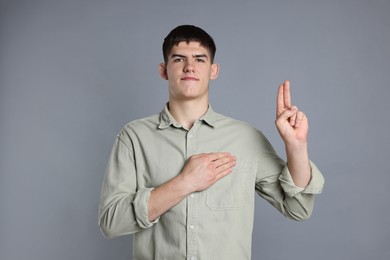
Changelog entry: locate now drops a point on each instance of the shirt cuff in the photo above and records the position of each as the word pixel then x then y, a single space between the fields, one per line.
pixel 315 185
pixel 141 208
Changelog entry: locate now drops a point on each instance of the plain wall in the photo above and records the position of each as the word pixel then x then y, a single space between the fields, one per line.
pixel 73 72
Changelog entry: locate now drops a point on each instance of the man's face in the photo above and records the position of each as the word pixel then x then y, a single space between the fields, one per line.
pixel 188 71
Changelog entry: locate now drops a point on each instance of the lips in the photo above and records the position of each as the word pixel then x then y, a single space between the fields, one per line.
pixel 189 79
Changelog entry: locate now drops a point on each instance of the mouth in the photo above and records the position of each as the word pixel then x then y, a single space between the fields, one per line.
pixel 189 79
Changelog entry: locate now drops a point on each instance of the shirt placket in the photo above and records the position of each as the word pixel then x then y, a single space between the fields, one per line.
pixel 191 202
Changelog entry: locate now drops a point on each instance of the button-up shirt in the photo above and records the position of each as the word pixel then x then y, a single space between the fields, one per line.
pixel 212 224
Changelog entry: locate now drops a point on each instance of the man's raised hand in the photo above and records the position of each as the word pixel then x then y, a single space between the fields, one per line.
pixel 291 123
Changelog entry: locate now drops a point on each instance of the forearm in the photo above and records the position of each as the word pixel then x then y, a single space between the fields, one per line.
pixel 166 196
pixel 298 164
pixel 200 172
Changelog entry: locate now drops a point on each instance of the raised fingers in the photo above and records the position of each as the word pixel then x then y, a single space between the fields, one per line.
pixel 283 98
pixel 286 94
pixel 280 101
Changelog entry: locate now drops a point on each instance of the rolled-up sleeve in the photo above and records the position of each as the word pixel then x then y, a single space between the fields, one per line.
pixel 141 208
pixel 276 185
pixel 123 207
pixel 315 185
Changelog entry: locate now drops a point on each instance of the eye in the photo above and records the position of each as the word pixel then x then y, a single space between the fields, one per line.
pixel 178 59
pixel 200 60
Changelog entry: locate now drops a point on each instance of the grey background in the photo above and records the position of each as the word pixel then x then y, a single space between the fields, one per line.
pixel 73 72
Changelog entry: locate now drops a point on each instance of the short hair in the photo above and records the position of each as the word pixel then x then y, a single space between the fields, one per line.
pixel 188 33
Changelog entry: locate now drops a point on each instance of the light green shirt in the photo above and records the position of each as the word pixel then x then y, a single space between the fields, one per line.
pixel 213 224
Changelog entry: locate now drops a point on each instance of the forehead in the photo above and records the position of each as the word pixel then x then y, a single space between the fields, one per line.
pixel 191 48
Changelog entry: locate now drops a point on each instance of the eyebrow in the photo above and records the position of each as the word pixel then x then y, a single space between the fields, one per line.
pixel 194 56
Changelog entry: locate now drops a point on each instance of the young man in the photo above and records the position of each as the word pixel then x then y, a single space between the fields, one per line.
pixel 183 181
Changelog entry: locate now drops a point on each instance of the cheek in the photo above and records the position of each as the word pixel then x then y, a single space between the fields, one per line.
pixel 174 71
pixel 171 74
pixel 204 71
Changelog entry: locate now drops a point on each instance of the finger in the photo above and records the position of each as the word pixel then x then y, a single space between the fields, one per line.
pixel 286 94
pixel 225 169
pixel 300 118
pixel 293 118
pixel 223 174
pixel 218 155
pixel 225 161
pixel 280 101
pixel 223 164
pixel 286 116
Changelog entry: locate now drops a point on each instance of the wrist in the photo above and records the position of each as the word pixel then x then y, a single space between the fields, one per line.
pixel 296 146
pixel 183 185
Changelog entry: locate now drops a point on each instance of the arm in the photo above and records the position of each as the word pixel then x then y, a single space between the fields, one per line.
pixel 290 187
pixel 121 203
pixel 292 125
pixel 200 172
pixel 274 183
pixel 126 208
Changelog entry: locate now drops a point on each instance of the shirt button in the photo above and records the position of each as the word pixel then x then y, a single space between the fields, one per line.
pixel 192 195
pixel 191 226
pixel 190 135
pixel 193 257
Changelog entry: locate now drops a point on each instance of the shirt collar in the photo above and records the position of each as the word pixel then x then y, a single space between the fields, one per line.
pixel 166 119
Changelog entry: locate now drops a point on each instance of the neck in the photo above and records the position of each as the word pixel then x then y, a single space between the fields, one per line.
pixel 186 113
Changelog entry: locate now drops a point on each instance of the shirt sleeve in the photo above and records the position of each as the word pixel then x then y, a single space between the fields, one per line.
pixel 275 184
pixel 315 185
pixel 123 207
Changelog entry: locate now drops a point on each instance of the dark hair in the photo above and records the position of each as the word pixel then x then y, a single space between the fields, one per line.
pixel 188 33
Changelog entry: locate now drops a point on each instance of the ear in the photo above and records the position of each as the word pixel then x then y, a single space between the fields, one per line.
pixel 214 71
pixel 162 69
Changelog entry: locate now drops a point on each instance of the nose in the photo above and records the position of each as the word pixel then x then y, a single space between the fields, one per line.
pixel 189 67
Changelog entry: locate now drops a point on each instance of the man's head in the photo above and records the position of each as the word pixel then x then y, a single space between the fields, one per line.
pixel 188 33
pixel 188 64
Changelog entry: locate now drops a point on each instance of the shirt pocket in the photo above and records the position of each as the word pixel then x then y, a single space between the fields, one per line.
pixel 229 192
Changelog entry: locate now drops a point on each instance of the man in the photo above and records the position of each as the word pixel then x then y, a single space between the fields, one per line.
pixel 183 181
